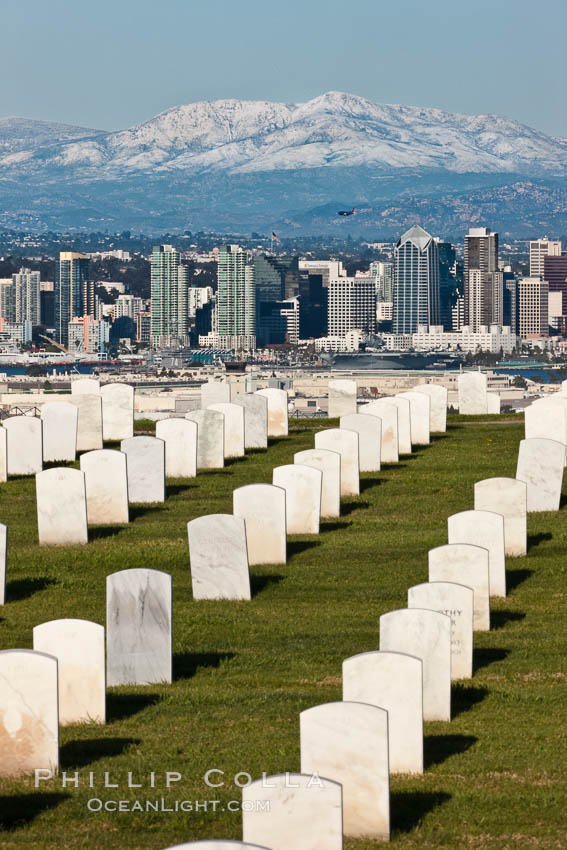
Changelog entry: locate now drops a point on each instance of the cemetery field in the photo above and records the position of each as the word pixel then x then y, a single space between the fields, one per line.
pixel 495 776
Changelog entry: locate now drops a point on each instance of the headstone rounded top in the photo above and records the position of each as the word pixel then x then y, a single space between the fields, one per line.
pixel 139 572
pixel 60 473
pixel 218 844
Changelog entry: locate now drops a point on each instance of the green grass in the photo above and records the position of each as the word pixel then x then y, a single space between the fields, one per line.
pixel 495 775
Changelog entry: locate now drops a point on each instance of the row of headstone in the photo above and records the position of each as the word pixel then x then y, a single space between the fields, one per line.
pixel 63 679
pixel 276 406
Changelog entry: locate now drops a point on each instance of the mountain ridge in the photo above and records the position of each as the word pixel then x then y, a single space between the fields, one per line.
pixel 207 164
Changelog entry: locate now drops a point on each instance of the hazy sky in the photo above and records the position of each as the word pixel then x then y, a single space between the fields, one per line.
pixel 111 63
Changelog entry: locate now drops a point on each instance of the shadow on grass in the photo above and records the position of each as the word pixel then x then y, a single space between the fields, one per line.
pixel 80 753
pixel 486 657
pixel 438 748
pixel 435 437
pixel 19 810
pixel 499 619
pixel 273 441
pixel 333 525
pixel 464 698
pixel 347 507
pixel 368 483
pixel 535 539
pixel 120 706
pixel 138 511
pixel 258 583
pixel 99 532
pixel 514 578
pixel 186 664
pixel 23 588
pixel 178 489
pixel 233 461
pixel 408 808
pixel 296 547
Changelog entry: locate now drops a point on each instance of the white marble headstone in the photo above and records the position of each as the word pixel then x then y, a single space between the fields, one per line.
pixel 302 813
pixel 342 398
pixel 145 465
pixel 420 407
pixel 138 627
pixel 346 444
pixel 348 743
pixel 262 506
pixel 219 557
pixel 180 438
pixel 492 403
pixel 393 681
pixel 3 455
pixel 540 466
pixel 214 392
pixel 29 720
pixel 473 391
pixel 302 485
pixel 547 418
pixel 210 438
pixel 426 635
pixel 277 411
pixel 89 423
pixel 59 420
pixel 117 411
pixel 404 422
pixel 463 563
pixel 457 601
pixel 486 529
pixel 506 496
pixel 330 465
pixel 255 419
pixel 85 386
pixel 106 481
pixel 369 430
pixel 438 412
pixel 388 413
pixel 78 646
pixel 233 428
pixel 3 553
pixel 25 445
pixel 61 506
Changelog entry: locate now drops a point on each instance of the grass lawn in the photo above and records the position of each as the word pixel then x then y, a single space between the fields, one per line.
pixel 495 776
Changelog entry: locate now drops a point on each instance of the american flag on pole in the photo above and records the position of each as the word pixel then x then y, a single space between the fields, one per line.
pixel 276 238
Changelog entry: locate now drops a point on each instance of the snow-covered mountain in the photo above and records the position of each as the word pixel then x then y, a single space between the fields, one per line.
pixel 245 165
pixel 251 137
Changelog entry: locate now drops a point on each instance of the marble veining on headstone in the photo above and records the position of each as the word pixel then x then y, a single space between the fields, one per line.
pixel 255 419
pixel 506 496
pixel 277 411
pixel 466 564
pixel 262 506
pixel 346 444
pixel 342 398
pixel 540 466
pixel 388 414
pixel 210 438
pixel 138 627
pixel 369 430
pixel 219 557
pixel 117 411
pixel 302 485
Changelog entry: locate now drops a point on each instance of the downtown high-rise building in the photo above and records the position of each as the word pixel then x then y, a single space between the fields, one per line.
pixel 539 250
pixel 74 292
pixel 351 305
pixel 169 284
pixel 234 317
pixel 20 298
pixel 483 281
pixel 416 282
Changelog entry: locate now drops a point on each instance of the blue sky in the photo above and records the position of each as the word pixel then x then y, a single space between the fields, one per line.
pixel 111 63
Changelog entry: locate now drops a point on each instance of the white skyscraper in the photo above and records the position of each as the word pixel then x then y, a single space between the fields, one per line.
pixel 539 250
